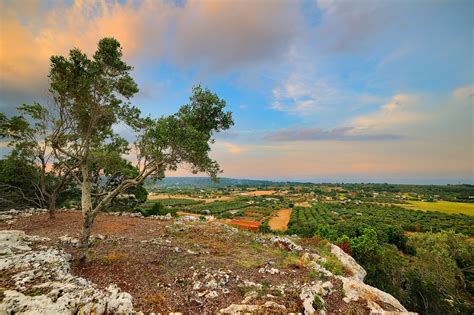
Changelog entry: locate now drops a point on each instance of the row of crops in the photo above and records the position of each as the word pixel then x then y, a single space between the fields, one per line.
pixel 218 207
pixel 348 218
pixel 173 202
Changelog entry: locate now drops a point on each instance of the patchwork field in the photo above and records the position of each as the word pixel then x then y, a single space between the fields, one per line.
pixel 442 206
pixel 280 222
pixel 169 196
pixel 257 193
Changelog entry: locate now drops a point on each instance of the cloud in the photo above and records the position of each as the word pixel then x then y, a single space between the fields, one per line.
pixel 219 35
pixel 305 92
pixel 298 95
pixel 354 26
pixel 209 35
pixel 464 93
pixel 233 148
pixel 401 110
pixel 318 134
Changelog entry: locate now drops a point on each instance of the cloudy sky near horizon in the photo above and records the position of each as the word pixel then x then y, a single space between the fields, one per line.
pixel 321 90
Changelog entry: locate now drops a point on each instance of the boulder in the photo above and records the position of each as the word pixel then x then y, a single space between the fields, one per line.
pixel 349 263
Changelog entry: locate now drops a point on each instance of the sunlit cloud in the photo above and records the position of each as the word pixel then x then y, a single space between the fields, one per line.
pixel 233 148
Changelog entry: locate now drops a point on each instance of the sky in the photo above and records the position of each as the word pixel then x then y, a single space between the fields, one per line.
pixel 320 90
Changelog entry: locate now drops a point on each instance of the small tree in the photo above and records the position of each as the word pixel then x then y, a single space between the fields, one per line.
pixel 92 96
pixel 18 182
pixel 29 135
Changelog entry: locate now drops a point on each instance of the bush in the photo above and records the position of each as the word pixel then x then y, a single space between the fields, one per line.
pixel 264 227
pixel 344 243
pixel 226 215
pixel 318 302
pixel 157 209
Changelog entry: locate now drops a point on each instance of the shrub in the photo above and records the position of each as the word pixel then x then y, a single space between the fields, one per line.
pixel 318 303
pixel 264 227
pixel 157 209
pixel 345 244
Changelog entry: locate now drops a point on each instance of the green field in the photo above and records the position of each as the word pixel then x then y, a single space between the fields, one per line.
pixel 348 219
pixel 441 206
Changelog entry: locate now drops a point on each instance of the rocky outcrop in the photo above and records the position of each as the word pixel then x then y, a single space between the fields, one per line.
pixel 349 263
pixel 42 283
pixel 286 243
pixel 355 290
pixel 268 307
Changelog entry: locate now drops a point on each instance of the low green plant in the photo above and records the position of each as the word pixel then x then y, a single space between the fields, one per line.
pixel 318 303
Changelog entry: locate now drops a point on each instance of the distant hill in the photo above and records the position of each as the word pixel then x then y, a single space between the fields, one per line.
pixel 205 182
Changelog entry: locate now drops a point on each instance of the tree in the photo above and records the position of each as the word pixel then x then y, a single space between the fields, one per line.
pixel 92 97
pixel 438 277
pixel 29 135
pixel 18 177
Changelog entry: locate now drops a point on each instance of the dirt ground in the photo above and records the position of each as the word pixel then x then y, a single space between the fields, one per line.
pixel 249 225
pixel 280 222
pixel 158 261
pixel 245 224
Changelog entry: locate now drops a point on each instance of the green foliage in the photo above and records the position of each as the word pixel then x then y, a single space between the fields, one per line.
pixel 176 202
pixel 435 274
pixel 158 209
pixel 226 215
pixel 28 134
pixel 17 178
pixel 318 303
pixel 92 95
pixel 264 227
pixel 390 222
pixel 218 207
pixel 439 276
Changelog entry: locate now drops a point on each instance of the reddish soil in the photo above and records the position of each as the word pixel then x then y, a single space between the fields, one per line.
pixel 246 225
pixel 280 222
pixel 159 275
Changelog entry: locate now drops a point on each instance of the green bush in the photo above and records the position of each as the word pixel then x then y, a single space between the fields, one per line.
pixel 157 209
pixel 318 302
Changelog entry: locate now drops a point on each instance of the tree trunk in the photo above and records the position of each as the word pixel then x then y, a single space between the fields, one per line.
pixel 87 212
pixel 88 219
pixel 52 205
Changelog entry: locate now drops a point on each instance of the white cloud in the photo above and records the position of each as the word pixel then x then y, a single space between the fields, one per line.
pixel 301 95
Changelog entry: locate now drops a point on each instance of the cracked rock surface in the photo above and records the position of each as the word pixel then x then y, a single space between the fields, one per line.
pixel 42 283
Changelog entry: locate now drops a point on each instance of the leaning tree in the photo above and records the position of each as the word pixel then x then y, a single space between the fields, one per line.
pixel 92 96
pixel 28 134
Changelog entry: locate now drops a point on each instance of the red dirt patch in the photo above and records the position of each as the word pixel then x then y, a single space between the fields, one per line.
pixel 246 225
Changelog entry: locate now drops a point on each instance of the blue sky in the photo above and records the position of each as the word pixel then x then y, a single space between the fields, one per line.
pixel 320 90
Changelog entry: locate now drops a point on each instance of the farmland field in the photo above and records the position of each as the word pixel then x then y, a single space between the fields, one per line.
pixel 280 222
pixel 442 206
pixel 346 219
pixel 176 201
